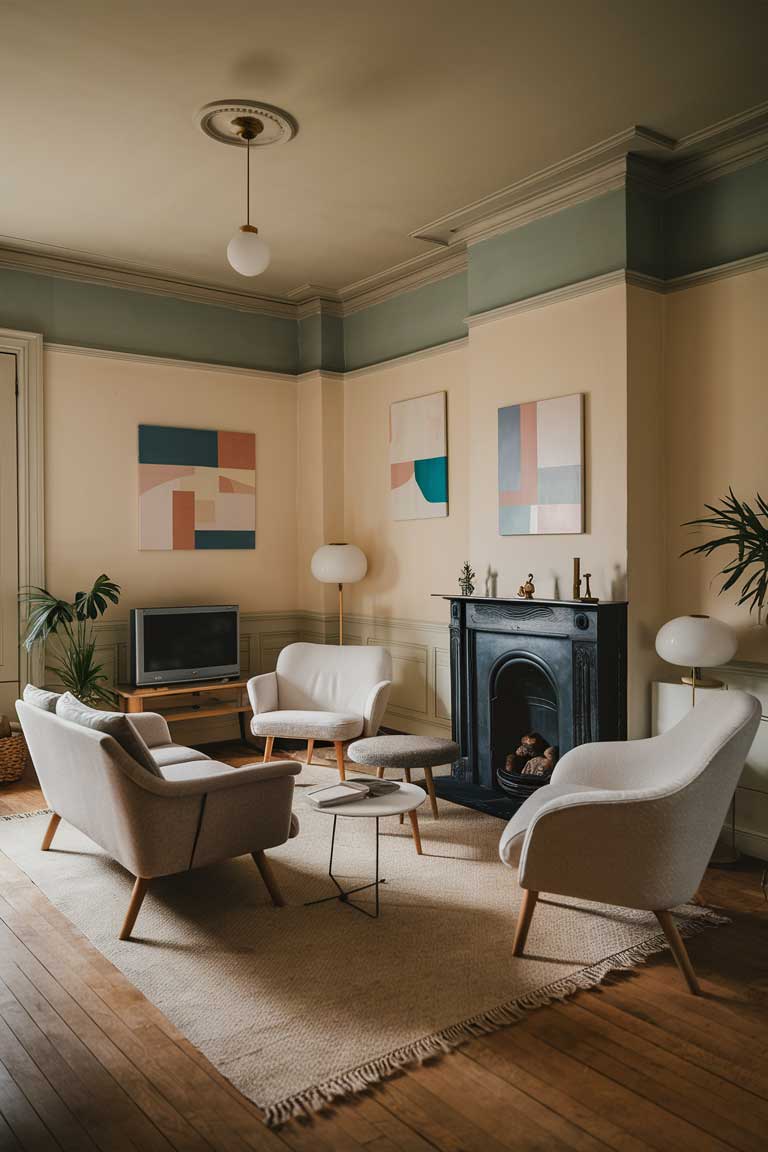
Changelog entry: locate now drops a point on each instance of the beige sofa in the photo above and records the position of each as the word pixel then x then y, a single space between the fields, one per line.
pixel 186 814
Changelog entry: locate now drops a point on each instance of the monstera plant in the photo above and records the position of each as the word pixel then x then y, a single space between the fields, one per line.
pixel 745 530
pixel 69 624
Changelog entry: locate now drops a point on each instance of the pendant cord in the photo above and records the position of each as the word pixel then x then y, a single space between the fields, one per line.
pixel 248 182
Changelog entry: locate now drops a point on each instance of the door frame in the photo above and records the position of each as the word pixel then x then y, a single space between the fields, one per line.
pixel 27 347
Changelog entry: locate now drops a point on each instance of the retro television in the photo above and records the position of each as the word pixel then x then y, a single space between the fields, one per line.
pixel 179 645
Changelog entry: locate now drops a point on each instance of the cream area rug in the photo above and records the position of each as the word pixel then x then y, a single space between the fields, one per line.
pixel 299 1006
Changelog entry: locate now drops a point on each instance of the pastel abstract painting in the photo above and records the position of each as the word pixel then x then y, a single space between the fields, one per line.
pixel 418 457
pixel 541 467
pixel 197 488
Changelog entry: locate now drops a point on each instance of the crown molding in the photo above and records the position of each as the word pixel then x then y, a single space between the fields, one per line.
pixel 717 272
pixel 47 262
pixel 170 361
pixel 427 268
pixel 578 177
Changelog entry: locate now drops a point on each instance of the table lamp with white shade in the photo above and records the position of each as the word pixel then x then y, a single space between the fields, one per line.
pixel 696 642
pixel 339 564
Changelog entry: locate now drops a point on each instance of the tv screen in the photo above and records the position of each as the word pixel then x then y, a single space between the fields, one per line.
pixel 174 644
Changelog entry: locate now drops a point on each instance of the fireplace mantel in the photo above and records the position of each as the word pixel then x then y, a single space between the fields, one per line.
pixel 580 648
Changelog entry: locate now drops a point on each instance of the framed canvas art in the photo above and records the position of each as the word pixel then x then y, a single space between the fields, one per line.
pixel 541 467
pixel 197 488
pixel 418 457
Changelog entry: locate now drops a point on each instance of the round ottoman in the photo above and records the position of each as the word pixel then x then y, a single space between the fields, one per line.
pixel 405 753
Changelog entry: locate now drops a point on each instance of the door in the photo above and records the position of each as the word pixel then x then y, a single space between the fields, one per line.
pixel 9 539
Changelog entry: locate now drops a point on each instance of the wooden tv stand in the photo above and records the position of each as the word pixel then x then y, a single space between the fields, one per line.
pixel 150 698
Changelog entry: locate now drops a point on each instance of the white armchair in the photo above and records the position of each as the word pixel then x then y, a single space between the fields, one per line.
pixel 321 692
pixel 634 824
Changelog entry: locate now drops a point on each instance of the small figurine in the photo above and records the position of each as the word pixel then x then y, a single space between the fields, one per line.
pixel 466 580
pixel 526 591
pixel 588 598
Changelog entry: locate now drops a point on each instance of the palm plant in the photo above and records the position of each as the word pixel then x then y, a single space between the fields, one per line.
pixel 745 529
pixel 70 624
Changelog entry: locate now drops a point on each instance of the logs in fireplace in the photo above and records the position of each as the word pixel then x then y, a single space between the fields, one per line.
pixel 550 669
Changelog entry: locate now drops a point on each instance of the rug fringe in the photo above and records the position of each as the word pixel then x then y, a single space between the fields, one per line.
pixel 26 815
pixel 360 1079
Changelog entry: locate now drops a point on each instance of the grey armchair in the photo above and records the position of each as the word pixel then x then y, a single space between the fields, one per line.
pixel 188 814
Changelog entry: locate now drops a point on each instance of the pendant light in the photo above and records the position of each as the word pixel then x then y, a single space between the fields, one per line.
pixel 247 124
pixel 247 252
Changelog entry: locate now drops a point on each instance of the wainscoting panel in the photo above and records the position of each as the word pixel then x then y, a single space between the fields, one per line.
pixel 420 699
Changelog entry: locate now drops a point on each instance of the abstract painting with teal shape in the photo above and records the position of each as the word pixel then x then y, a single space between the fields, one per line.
pixel 541 467
pixel 197 488
pixel 418 457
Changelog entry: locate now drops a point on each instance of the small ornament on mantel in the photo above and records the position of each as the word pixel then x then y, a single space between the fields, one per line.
pixel 466 579
pixel 527 590
pixel 588 598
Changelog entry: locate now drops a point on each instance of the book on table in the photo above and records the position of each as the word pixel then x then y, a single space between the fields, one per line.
pixel 328 795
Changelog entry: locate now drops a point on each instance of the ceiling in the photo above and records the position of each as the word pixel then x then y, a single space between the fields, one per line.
pixel 408 110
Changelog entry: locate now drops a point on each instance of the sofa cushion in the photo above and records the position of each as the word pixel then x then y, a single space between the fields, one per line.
pixel 164 754
pixel 114 724
pixel 308 724
pixel 40 698
pixel 195 769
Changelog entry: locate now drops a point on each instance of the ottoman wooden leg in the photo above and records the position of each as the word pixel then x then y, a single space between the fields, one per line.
pixel 407 774
pixel 339 746
pixel 310 750
pixel 415 830
pixel 431 790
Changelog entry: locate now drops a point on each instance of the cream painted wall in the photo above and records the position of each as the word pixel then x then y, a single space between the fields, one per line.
pixel 646 504
pixel 93 405
pixel 576 345
pixel 408 559
pixel 320 481
pixel 716 415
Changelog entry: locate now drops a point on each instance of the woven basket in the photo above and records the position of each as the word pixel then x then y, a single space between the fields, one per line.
pixel 13 757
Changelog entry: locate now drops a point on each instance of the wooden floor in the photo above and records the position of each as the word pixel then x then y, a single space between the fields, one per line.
pixel 87 1063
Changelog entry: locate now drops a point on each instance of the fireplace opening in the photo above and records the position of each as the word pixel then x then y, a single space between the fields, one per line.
pixel 525 725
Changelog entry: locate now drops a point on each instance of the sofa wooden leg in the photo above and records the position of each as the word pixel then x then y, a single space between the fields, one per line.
pixel 339 746
pixel 524 921
pixel 310 750
pixel 137 896
pixel 268 876
pixel 50 831
pixel 679 951
pixel 379 773
pixel 268 742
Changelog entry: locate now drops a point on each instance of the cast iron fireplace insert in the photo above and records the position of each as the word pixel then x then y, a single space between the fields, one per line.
pixel 556 668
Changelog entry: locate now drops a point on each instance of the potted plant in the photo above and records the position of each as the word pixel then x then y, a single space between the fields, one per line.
pixel 746 529
pixel 70 624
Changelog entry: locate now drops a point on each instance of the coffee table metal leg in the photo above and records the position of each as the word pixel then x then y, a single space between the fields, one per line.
pixel 343 894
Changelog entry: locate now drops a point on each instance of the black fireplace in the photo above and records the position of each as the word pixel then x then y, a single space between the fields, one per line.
pixel 529 680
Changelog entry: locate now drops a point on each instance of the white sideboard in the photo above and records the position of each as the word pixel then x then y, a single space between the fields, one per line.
pixel 671 700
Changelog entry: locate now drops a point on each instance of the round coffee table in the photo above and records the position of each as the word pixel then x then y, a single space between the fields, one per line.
pixel 407 799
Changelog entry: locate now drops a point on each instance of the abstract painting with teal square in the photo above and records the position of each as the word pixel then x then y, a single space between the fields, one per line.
pixel 418 458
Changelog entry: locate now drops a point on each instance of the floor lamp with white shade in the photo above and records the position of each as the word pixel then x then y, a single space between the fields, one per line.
pixel 697 642
pixel 339 564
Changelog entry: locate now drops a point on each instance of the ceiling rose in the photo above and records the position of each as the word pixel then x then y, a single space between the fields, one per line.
pixel 217 120
pixel 247 123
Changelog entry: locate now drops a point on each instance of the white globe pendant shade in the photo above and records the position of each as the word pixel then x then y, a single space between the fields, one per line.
pixel 339 564
pixel 696 642
pixel 248 253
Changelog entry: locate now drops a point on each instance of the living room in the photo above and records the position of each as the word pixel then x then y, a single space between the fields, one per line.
pixel 413 442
